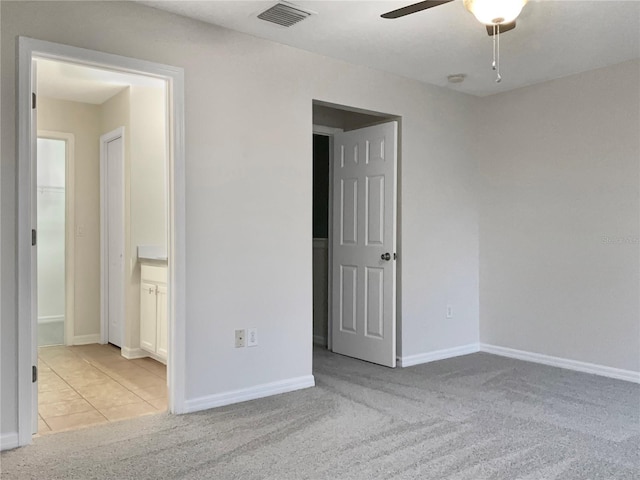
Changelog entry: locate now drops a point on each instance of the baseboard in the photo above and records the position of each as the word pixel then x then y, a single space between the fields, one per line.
pixel 320 340
pixel 410 360
pixel 9 441
pixel 251 393
pixel 617 373
pixel 50 319
pixel 133 353
pixel 86 339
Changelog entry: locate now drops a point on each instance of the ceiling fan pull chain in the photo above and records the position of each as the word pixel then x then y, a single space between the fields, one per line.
pixel 496 52
pixel 493 65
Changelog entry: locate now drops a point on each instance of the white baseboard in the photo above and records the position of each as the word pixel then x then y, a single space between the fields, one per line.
pixel 410 360
pixel 133 353
pixel 320 340
pixel 251 393
pixel 9 441
pixel 86 339
pixel 50 319
pixel 617 373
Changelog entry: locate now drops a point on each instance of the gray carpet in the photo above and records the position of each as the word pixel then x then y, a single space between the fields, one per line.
pixel 469 418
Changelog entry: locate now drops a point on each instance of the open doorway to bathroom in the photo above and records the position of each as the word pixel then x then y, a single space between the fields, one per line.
pixel 102 246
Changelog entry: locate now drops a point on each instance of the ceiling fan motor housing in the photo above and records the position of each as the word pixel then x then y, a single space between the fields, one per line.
pixel 495 12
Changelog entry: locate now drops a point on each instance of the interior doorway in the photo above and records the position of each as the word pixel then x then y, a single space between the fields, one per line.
pixel 355 292
pixel 87 380
pixel 106 371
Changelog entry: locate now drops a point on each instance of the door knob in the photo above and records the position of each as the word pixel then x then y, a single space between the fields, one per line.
pixel 386 256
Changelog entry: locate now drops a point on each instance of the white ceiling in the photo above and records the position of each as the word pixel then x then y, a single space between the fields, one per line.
pixel 553 38
pixel 67 81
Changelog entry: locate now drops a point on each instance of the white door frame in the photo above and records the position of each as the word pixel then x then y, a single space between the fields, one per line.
pixel 28 49
pixel 105 213
pixel 69 229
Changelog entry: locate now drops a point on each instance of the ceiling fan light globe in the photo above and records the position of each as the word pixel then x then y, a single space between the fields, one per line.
pixel 495 12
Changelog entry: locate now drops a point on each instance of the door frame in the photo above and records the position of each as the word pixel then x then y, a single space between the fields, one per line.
pixel 105 213
pixel 28 49
pixel 69 229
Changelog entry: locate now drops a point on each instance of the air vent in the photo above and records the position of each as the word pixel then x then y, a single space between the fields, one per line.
pixel 284 14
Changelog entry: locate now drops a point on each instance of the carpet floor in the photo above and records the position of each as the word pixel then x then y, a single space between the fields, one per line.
pixel 474 417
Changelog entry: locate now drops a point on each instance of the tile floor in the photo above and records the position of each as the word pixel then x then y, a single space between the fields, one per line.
pixel 93 384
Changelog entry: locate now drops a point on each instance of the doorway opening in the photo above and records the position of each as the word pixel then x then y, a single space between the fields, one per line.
pixel 124 120
pixel 355 234
pixel 121 201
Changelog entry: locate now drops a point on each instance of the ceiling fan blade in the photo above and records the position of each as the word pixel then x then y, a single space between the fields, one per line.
pixel 416 7
pixel 503 28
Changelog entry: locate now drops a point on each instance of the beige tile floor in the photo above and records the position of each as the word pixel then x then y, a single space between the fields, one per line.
pixel 93 384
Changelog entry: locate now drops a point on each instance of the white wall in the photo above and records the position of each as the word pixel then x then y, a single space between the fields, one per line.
pixel 559 218
pixel 249 189
pixel 83 121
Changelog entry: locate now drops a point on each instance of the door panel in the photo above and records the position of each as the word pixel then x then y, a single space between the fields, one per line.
pixel 115 240
pixel 364 226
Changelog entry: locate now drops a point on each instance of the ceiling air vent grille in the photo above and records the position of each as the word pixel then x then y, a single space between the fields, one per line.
pixel 284 14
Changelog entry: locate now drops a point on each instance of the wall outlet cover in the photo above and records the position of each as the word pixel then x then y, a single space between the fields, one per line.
pixel 252 337
pixel 240 338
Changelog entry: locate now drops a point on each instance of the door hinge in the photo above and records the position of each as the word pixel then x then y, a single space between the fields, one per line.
pixel 34 237
pixel 34 374
pixel 33 100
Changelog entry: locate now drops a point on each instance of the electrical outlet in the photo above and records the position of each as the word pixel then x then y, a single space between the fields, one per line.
pixel 240 338
pixel 449 311
pixel 252 337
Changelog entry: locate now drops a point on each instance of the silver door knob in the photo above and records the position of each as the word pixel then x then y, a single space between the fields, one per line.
pixel 386 256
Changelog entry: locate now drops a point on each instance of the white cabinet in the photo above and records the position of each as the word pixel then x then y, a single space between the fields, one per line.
pixel 153 311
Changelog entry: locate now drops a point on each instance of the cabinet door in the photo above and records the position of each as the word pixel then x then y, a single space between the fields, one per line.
pixel 162 322
pixel 148 315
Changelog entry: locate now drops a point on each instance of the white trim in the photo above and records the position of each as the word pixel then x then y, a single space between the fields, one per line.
pixel 50 319
pixel 86 339
pixel 320 340
pixel 29 48
pixel 70 230
pixel 595 369
pixel 436 355
pixel 9 441
pixel 251 393
pixel 105 214
pixel 133 353
pixel 326 131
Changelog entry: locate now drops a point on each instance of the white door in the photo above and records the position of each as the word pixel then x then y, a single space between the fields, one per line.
pixel 113 222
pixel 364 244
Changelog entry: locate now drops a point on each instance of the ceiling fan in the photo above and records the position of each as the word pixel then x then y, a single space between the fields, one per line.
pixel 498 16
pixel 501 13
